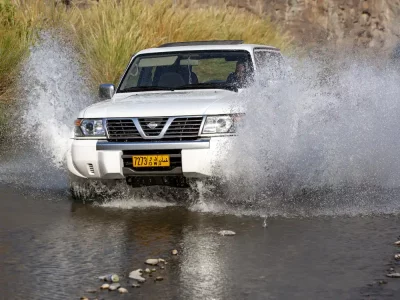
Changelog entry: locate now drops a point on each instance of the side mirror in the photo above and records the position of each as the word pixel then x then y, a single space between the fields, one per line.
pixel 106 91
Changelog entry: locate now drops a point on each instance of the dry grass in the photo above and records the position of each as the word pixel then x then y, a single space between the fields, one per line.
pixel 108 33
pixel 14 42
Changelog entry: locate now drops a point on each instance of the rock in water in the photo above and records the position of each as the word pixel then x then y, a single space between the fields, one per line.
pixel 393 275
pixel 105 286
pixel 147 270
pixel 84 298
pixel 161 260
pixel 137 275
pixel 174 252
pixel 397 243
pixel 159 278
pixel 122 290
pixel 135 285
pixel 397 256
pixel 154 270
pixel 114 286
pixel 152 261
pixel 226 233
pixel 110 278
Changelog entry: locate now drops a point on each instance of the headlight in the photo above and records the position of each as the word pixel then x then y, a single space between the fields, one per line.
pixel 89 127
pixel 219 124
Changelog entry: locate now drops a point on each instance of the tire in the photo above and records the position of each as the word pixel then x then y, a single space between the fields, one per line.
pixel 86 190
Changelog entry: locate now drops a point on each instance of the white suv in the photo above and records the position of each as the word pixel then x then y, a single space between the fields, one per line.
pixel 169 116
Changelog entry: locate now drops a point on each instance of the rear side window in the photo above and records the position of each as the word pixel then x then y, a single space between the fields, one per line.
pixel 270 64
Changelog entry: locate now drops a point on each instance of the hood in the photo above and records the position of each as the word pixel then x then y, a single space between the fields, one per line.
pixel 165 103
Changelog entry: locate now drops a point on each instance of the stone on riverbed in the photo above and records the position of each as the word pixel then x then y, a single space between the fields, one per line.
pixel 226 233
pixel 114 286
pixel 397 243
pixel 393 275
pixel 84 298
pixel 147 270
pixel 174 252
pixel 137 275
pixel 159 278
pixel 122 290
pixel 161 260
pixel 136 285
pixel 152 261
pixel 397 256
pixel 105 286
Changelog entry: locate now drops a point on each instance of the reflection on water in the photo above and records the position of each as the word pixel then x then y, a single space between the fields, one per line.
pixel 203 261
pixel 56 250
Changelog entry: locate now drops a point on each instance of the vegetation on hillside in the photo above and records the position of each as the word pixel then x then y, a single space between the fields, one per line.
pixel 107 34
pixel 14 42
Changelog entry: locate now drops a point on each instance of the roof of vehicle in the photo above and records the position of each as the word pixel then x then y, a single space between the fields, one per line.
pixel 198 43
pixel 205 45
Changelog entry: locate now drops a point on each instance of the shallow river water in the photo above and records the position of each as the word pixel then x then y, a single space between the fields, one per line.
pixel 54 248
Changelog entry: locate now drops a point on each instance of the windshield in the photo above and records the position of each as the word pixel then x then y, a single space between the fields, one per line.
pixel 181 70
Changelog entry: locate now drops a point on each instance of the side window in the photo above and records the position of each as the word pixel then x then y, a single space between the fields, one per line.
pixel 270 64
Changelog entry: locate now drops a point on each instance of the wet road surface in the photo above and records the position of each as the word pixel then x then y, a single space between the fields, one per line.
pixel 54 248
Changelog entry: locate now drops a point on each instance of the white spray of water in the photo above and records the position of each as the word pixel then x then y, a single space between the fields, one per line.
pixel 323 142
pixel 323 129
pixel 54 92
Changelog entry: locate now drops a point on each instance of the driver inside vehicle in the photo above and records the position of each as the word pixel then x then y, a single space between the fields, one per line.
pixel 238 78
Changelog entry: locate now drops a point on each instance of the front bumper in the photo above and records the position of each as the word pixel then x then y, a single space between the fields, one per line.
pixel 99 159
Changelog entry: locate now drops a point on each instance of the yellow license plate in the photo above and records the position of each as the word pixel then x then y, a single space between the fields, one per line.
pixel 150 161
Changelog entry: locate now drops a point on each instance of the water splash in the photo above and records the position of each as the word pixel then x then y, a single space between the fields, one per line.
pixel 142 198
pixel 54 91
pixel 326 142
pixel 320 143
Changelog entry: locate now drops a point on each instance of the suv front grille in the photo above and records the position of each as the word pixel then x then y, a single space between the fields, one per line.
pixel 177 128
pixel 122 129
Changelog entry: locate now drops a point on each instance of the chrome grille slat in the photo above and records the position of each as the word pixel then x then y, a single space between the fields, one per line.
pixel 122 129
pixel 166 127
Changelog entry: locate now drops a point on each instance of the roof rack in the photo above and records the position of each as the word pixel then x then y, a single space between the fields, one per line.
pixel 198 43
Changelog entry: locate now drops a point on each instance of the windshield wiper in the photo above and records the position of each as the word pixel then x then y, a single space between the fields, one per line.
pixel 222 86
pixel 146 88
